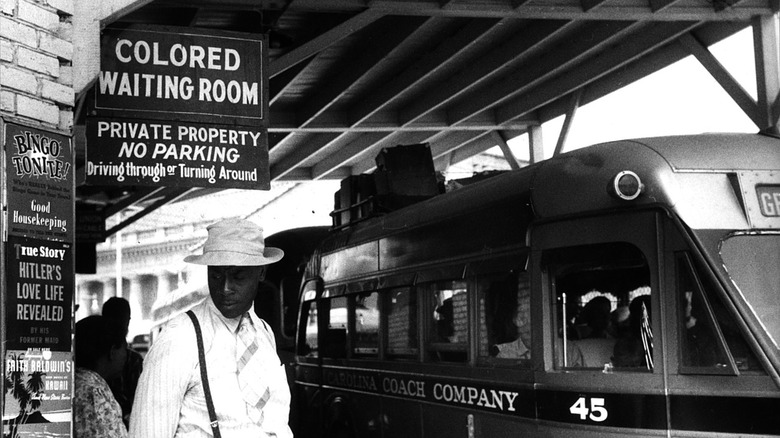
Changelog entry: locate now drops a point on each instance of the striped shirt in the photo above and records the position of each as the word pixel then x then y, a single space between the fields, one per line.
pixel 169 399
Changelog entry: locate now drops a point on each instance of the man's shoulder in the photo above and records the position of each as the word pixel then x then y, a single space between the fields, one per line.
pixel 175 337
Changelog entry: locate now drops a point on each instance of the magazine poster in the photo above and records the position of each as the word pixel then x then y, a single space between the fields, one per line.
pixel 38 393
pixel 39 174
pixel 39 298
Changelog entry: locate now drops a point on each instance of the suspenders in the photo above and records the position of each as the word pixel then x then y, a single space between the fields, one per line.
pixel 204 376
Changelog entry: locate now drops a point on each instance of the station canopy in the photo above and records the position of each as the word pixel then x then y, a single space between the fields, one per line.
pixel 350 77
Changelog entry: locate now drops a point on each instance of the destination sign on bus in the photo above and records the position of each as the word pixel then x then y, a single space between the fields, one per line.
pixel 769 200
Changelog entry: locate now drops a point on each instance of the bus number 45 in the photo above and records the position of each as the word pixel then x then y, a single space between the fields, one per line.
pixel 596 412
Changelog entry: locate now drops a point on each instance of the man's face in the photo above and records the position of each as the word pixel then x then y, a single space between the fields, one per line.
pixel 233 288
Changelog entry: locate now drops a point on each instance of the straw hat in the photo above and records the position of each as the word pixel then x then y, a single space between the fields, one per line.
pixel 235 242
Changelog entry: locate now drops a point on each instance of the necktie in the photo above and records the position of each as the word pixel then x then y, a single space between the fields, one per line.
pixel 250 370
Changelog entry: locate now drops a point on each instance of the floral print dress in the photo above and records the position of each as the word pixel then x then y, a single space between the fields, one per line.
pixel 96 413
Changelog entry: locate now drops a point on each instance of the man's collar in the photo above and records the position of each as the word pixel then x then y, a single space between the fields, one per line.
pixel 230 323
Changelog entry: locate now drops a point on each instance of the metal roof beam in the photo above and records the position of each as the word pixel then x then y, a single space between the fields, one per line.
pixel 660 5
pixel 426 67
pixel 309 148
pixel 630 73
pixel 280 83
pixel 323 41
pixel 743 99
pixel 588 5
pixel 446 144
pixel 567 121
pixel 168 194
pixel 476 146
pixel 655 37
pixel 336 122
pixel 348 151
pixel 139 195
pixel 504 146
pixel 635 10
pixel 370 58
pixel 305 174
pixel 484 68
pixel 588 41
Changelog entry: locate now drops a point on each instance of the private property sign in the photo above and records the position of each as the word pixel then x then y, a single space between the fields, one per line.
pixel 175 154
pixel 180 107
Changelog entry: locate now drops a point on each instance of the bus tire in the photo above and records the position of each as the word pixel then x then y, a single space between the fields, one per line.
pixel 338 423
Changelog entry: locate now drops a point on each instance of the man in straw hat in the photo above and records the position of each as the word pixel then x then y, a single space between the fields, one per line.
pixel 246 381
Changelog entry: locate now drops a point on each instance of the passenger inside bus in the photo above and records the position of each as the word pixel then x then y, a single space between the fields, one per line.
pixel 445 328
pixel 515 349
pixel 701 347
pixel 450 324
pixel 635 348
pixel 596 344
pixel 711 342
pixel 505 315
pixel 618 321
pixel 587 283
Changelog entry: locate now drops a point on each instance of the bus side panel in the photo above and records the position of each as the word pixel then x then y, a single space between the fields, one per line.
pixel 494 426
pixel 306 402
pixel 445 422
pixel 401 418
pixel 708 394
pixel 350 414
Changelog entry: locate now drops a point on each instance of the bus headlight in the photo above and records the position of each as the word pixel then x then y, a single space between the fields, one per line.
pixel 626 185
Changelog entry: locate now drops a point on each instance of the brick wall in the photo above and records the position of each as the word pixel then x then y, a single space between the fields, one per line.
pixel 36 57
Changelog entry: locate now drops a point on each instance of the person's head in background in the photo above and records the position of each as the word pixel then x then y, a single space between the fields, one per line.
pixel 100 345
pixel 118 309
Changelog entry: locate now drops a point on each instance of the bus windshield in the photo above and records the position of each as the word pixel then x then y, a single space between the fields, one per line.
pixel 752 262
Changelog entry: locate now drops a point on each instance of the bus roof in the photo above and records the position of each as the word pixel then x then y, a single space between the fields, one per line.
pixel 677 171
pixel 693 174
pixel 718 151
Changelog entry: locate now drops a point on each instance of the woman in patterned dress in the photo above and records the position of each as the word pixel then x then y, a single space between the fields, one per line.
pixel 100 353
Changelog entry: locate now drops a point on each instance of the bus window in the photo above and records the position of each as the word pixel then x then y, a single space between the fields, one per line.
pixel 710 340
pixel 366 316
pixel 602 312
pixel 308 345
pixel 448 334
pixel 505 318
pixel 752 262
pixel 401 323
pixel 334 343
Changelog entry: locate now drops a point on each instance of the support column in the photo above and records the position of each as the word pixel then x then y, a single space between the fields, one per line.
pixel 85 295
pixel 504 146
pixel 163 284
pixel 535 144
pixel 109 289
pixel 134 297
pixel 767 55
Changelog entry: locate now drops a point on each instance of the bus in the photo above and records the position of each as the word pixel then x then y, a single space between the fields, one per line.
pixel 626 288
